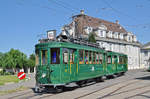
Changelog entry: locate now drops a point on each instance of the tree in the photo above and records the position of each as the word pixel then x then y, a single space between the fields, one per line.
pixel 31 62
pixel 13 59
pixel 91 37
pixel 1 58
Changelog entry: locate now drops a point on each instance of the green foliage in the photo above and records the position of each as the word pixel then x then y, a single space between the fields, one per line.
pixel 16 59
pixel 8 78
pixel 92 37
pixel 31 60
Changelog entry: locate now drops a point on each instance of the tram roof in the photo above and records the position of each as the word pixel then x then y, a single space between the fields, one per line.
pixel 55 44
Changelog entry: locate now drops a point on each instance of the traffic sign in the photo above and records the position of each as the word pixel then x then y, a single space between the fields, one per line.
pixel 21 75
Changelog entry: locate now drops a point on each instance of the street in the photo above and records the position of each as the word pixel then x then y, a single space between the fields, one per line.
pixel 135 84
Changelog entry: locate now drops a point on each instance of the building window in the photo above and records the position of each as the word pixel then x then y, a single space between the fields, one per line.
pixel 145 53
pixel 101 34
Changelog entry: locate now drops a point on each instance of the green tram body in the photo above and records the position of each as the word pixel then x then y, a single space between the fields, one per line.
pixel 60 63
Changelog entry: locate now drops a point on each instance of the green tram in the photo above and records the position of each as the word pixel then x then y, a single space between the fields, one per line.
pixel 61 63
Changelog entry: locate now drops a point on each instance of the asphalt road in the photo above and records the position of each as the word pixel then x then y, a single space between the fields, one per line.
pixel 134 84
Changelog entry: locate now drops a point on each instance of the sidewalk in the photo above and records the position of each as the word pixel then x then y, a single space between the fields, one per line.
pixel 29 83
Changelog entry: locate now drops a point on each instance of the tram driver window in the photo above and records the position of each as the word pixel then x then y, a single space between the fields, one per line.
pixel 109 59
pixel 55 56
pixel 44 57
pixel 81 56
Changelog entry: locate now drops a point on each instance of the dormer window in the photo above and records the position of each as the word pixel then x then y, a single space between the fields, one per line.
pixel 116 35
pixel 121 36
pixel 88 30
pixel 90 20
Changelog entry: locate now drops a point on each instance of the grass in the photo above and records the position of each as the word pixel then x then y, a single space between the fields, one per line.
pixel 8 78
pixel 21 88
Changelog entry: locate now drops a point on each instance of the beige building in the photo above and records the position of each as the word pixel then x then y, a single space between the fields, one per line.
pixel 110 35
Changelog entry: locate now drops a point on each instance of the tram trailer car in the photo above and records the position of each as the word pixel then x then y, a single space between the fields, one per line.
pixel 61 63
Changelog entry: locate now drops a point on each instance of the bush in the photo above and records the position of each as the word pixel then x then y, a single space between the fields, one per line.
pixel 1 72
pixel 6 73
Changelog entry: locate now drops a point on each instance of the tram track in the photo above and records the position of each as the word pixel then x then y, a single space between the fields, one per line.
pixel 24 93
pixel 31 94
pixel 131 90
pixel 108 87
pixel 139 94
pixel 103 89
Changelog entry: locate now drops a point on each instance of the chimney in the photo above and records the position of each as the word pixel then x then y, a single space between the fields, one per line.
pixel 81 11
pixel 117 22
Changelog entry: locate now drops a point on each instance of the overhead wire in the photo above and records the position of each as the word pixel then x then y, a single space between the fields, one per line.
pixel 63 6
pixel 117 11
pixel 124 14
pixel 67 4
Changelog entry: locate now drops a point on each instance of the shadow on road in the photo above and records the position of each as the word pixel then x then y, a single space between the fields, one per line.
pixel 65 89
pixel 144 78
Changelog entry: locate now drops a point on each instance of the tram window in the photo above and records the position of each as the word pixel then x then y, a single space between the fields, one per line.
pixel 71 56
pixel 125 60
pixel 65 55
pixel 113 59
pixel 86 57
pixel 37 58
pixel 81 56
pixel 97 58
pixel 55 53
pixel 44 57
pixel 101 58
pixel 90 57
pixel 120 60
pixel 109 59
pixel 94 57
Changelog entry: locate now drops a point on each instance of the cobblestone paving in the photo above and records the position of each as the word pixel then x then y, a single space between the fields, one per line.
pixel 134 84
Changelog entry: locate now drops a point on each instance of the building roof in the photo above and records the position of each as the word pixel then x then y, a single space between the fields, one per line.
pixel 85 20
pixel 146 46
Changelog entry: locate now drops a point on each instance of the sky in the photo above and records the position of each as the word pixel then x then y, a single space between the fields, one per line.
pixel 23 22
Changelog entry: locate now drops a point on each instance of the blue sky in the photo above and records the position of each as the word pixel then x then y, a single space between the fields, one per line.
pixel 23 22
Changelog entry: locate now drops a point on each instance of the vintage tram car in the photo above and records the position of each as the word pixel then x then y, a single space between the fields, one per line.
pixel 60 63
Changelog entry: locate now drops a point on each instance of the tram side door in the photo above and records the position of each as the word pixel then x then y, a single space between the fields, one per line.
pixel 73 63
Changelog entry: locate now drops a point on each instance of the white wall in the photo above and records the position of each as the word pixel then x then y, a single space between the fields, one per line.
pixel 133 53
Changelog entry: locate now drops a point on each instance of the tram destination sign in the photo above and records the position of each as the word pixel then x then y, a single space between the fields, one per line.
pixel 51 34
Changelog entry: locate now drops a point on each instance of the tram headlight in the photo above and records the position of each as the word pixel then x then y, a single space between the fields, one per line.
pixel 43 75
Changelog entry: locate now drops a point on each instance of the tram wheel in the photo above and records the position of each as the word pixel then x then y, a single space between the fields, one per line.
pixel 59 89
